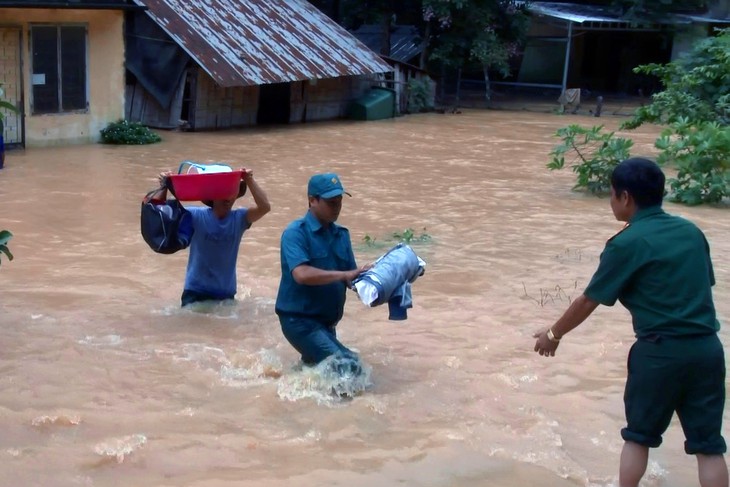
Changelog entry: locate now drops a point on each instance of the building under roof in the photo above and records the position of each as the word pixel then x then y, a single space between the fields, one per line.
pixel 577 45
pixel 224 63
pixel 606 17
pixel 263 41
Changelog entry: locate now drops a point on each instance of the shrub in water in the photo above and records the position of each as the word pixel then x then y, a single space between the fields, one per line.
pixel 130 133
pixel 700 153
pixel 596 154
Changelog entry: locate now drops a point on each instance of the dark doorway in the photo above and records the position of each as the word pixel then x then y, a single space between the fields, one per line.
pixel 274 103
pixel 609 57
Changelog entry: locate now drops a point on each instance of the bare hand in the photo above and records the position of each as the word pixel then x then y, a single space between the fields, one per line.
pixel 247 174
pixel 162 177
pixel 544 346
pixel 352 275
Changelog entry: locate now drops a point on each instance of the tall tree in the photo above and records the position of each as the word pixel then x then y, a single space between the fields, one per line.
pixel 482 32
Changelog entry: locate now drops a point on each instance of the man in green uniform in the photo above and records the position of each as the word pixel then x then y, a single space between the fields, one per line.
pixel 659 268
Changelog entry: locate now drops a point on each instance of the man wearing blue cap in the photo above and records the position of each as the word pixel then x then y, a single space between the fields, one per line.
pixel 317 267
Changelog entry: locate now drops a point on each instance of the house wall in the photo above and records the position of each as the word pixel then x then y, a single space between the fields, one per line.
pixel 142 107
pixel 105 75
pixel 11 81
pixel 218 108
pixel 402 75
pixel 326 99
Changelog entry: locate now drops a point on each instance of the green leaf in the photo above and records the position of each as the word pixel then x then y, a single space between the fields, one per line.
pixel 5 237
pixel 4 249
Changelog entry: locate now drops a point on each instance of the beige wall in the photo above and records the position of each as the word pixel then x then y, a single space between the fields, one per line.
pixel 105 75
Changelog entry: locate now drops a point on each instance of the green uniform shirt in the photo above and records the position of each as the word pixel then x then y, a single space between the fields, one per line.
pixel 659 267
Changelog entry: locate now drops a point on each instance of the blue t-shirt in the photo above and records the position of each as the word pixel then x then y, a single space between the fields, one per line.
pixel 306 241
pixel 214 251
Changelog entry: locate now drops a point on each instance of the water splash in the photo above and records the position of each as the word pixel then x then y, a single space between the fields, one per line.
pixel 331 382
pixel 224 310
pixel 252 369
pixel 237 369
pixel 100 341
pixel 119 448
pixel 60 420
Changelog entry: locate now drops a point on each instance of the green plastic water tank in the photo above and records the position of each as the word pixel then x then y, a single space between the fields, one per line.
pixel 376 104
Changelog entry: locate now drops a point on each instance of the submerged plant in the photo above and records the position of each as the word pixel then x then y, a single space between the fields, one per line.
pixel 5 237
pixel 409 236
pixel 369 241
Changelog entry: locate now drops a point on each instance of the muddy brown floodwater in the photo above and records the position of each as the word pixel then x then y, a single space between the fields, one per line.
pixel 104 381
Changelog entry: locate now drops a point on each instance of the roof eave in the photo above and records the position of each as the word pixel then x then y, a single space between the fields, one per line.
pixel 71 6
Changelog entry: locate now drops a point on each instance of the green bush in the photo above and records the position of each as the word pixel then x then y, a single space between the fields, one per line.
pixel 129 133
pixel 695 107
pixel 596 154
pixel 419 95
pixel 696 86
pixel 700 151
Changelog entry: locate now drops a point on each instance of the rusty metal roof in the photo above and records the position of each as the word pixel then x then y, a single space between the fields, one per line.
pixel 71 4
pixel 254 42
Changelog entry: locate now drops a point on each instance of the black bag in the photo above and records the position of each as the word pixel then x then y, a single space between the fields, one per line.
pixel 166 226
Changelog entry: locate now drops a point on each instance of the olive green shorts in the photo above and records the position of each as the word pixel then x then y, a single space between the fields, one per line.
pixel 682 374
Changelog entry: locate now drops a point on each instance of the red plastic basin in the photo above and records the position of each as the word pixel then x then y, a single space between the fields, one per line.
pixel 206 186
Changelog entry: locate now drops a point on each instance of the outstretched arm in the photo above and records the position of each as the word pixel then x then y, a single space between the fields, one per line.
pixel 260 199
pixel 548 339
pixel 313 276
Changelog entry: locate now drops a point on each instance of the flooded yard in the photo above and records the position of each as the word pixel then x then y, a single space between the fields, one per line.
pixel 105 381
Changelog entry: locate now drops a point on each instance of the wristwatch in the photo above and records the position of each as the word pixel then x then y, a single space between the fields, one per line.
pixel 551 336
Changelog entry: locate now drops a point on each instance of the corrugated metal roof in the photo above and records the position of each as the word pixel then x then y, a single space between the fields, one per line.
pixel 405 40
pixel 71 4
pixel 574 12
pixel 709 19
pixel 596 13
pixel 263 41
